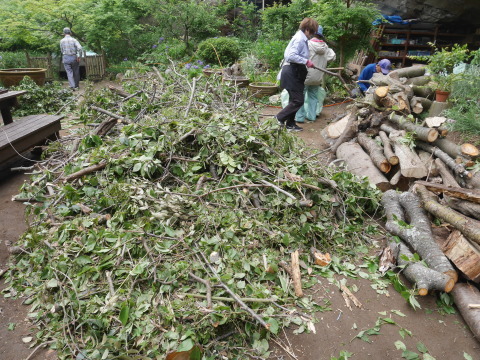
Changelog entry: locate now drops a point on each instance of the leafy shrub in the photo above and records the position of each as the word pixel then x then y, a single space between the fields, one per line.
pixel 49 98
pixel 224 50
pixel 12 60
pixel 160 54
pixel 270 52
pixel 125 65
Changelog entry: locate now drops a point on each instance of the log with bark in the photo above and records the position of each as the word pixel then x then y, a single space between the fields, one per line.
pixel 456 192
pixel 454 150
pixel 465 207
pixel 423 91
pixel 447 177
pixel 424 278
pixel 402 103
pixel 359 163
pixel 459 169
pixel 464 254
pixel 465 294
pixel 375 151
pixel 411 165
pixel 408 72
pixel 419 234
pixel 467 226
pixel 419 80
pixel 387 149
pixel 86 171
pixel 419 104
pixel 422 133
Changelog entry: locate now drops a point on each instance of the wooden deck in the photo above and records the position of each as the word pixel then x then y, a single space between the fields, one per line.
pixel 26 132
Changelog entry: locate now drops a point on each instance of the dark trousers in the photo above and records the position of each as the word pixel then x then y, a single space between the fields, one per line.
pixel 295 102
pixel 292 79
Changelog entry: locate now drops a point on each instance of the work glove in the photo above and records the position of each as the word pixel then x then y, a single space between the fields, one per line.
pixel 309 64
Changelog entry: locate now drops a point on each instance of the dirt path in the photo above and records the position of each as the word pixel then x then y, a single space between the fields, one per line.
pixel 445 336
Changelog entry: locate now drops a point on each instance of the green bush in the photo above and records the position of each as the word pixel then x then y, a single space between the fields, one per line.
pixel 50 98
pixel 12 60
pixel 222 51
pixel 161 53
pixel 270 52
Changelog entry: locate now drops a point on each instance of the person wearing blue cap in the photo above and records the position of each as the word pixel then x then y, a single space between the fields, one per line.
pixel 384 66
pixel 320 54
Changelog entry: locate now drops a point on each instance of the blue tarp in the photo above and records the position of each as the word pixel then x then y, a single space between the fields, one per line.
pixel 393 19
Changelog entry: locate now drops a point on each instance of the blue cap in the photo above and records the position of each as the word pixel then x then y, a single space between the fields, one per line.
pixel 320 30
pixel 385 66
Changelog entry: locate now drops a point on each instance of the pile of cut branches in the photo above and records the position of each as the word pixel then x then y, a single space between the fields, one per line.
pixel 160 225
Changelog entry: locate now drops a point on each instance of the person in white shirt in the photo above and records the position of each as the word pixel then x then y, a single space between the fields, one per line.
pixel 71 52
pixel 294 72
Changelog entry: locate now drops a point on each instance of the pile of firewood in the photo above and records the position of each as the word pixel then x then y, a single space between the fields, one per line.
pixel 421 173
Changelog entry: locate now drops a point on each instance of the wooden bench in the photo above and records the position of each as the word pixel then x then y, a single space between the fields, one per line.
pixel 27 132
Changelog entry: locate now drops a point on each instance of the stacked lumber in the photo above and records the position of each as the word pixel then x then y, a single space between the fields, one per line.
pixel 382 139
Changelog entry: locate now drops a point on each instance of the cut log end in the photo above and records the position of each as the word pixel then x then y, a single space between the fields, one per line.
pixel 469 149
pixel 393 160
pixel 453 275
pixel 432 135
pixel 385 167
pixel 423 292
pixel 449 286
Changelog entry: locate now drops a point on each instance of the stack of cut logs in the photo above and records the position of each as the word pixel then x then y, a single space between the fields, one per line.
pixel 381 139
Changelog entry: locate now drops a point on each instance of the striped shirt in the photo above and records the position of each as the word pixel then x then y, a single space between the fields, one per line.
pixel 70 46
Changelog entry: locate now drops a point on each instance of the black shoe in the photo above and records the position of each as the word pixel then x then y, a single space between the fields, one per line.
pixel 294 128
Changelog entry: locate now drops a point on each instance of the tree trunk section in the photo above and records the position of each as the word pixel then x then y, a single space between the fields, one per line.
pixel 468 227
pixel 359 163
pixel 426 279
pixel 387 149
pixel 410 164
pixel 422 133
pixel 419 104
pixel 465 294
pixel 457 168
pixel 467 208
pixel 464 254
pixel 419 236
pixel 408 72
pixel 455 150
pixel 419 80
pixel 375 152
pixel 437 108
pixel 423 91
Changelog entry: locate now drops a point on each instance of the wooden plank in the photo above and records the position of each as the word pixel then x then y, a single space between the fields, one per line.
pixel 25 126
pixel 25 133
